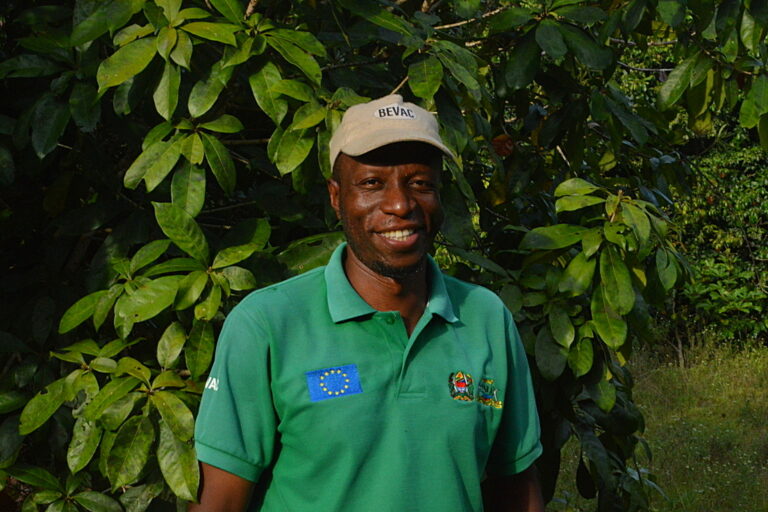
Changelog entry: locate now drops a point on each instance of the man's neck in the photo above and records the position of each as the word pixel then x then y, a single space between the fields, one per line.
pixel 407 295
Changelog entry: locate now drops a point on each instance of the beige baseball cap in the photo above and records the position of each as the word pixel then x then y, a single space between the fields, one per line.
pixel 383 121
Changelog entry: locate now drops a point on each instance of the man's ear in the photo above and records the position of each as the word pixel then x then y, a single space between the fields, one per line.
pixel 333 195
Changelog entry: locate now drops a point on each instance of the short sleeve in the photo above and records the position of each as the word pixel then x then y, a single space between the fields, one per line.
pixel 235 427
pixel 518 442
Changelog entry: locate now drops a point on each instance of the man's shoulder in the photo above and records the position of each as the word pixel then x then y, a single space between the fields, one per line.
pixel 304 287
pixel 472 294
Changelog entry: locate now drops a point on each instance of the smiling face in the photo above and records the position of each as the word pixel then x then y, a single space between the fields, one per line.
pixel 389 203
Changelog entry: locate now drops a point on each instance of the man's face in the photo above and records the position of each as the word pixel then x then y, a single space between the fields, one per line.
pixel 389 203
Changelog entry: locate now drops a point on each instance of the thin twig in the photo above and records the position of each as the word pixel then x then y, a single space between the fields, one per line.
pixel 251 7
pixel 471 20
pixel 230 207
pixel 652 43
pixel 351 64
pixel 647 70
pixel 244 142
pixel 400 85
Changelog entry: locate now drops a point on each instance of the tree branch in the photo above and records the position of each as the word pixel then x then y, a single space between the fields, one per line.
pixel 652 43
pixel 646 70
pixel 471 20
pixel 400 85
pixel 251 7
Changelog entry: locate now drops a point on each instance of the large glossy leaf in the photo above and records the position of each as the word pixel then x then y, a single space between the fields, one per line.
pixel 374 13
pixel 148 254
pixel 170 345
pixel 755 104
pixel 616 281
pixel 182 229
pixel 50 119
pixel 35 476
pixel 610 325
pixel 138 498
pixel 190 289
pixel 550 39
pixel 293 149
pixel 109 394
pixel 304 40
pixel 84 106
pixel 188 188
pixel 148 300
pixel 425 77
pixel 240 278
pixel 585 48
pixel 126 62
pixel 580 357
pixel 114 415
pixel 268 100
pixel 182 52
pixel 42 406
pixel 147 159
pixel 80 311
pixel 175 414
pixel 666 268
pixel 166 94
pixel 12 400
pixel 205 92
pixel 86 436
pixel 552 237
pixel 192 148
pixel 523 63
pixel 298 57
pixel 573 203
pixel 107 16
pixel 130 451
pixel 224 124
pixel 178 464
pixel 231 9
pixel 551 357
pixel 676 84
pixel 560 325
pixel 199 348
pixel 10 441
pixel 97 502
pixel 307 116
pixel 208 307
pixel 220 162
pixel 231 255
pixel 578 275
pixel 221 32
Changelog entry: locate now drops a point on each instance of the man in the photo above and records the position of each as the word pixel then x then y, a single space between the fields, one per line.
pixel 375 383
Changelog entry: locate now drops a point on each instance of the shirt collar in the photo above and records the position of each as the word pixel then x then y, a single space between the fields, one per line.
pixel 344 303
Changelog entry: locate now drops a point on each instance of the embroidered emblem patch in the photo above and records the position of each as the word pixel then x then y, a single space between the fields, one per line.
pixel 333 382
pixel 486 394
pixel 461 386
pixel 395 111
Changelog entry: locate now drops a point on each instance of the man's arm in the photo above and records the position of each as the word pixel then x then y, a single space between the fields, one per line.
pixel 513 493
pixel 221 491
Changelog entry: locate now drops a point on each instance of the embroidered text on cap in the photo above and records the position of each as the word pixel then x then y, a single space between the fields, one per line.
pixel 394 111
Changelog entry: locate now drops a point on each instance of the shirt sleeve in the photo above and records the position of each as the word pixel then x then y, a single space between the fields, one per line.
pixel 235 427
pixel 518 442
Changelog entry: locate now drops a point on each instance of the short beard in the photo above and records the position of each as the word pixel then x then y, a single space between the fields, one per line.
pixel 394 272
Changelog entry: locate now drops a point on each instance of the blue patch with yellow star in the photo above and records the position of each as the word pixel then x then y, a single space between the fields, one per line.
pixel 333 382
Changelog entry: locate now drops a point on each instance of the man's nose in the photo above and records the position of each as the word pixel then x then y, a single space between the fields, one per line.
pixel 397 201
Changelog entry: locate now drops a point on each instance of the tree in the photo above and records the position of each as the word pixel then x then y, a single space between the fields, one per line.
pixel 181 151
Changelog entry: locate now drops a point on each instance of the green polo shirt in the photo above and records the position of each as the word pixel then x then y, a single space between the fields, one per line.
pixel 354 414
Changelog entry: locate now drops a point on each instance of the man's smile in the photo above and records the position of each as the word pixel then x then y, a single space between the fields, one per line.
pixel 399 235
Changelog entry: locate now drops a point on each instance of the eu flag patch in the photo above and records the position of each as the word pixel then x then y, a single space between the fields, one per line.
pixel 333 382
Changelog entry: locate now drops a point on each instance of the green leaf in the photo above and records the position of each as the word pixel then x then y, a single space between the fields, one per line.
pixel 298 57
pixel 755 104
pixel 677 82
pixel 126 62
pixel 79 312
pixel 616 281
pixel 84 106
pixel 425 77
pixel 27 66
pixel 168 379
pixel 231 9
pixel 294 89
pixel 307 116
pixel 138 498
pixel 188 188
pixel 146 160
pixel 310 252
pixel 231 255
pixel 293 149
pixel 133 368
pixel 205 92
pixel 148 254
pixel 130 451
pixel 224 124
pixel 103 365
pixel 10 444
pixel 220 162
pixel 192 148
pixel 166 95
pixel 268 100
pixel 149 300
pixel 580 357
pixel 550 356
pixel 107 16
pixel 174 265
pixel 510 19
pixel 372 12
pixel 198 351
pixel 42 406
pixel 170 345
pixel 86 436
pixel 638 220
pixel 114 415
pixel 550 39
pixel 7 167
pixel 304 40
pixel 131 33
pixel 585 48
pixel 573 203
pixel 166 40
pixel 34 476
pixel 11 400
pixel 604 394
pixel 522 63
pixel 174 413
pixel 577 275
pixel 240 278
pixel 193 13
pixel 671 12
pixel 584 15
pixel 208 308
pixel 97 502
pixel 552 237
pixel 666 269
pixel 178 463
pixel 762 131
pixel 458 71
pixel 182 52
pixel 610 326
pixel 182 229
pixel 560 325
pixel 190 289
pixel 221 32
pixel 110 393
pixel 575 186
pixel 49 120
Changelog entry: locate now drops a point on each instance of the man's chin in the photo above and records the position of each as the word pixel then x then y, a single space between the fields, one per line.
pixel 397 273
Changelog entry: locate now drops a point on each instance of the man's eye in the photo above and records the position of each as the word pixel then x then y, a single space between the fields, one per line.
pixel 370 181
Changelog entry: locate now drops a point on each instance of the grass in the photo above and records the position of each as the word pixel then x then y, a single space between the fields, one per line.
pixel 707 427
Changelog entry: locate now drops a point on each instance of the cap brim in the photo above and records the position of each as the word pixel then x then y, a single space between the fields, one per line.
pixel 386 137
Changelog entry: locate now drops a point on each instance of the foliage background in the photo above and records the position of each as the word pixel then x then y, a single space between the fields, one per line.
pixel 159 159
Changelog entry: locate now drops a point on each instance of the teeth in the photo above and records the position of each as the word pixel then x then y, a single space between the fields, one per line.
pixel 399 235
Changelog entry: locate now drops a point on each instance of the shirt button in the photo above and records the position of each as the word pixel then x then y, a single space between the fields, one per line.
pixel 390 319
